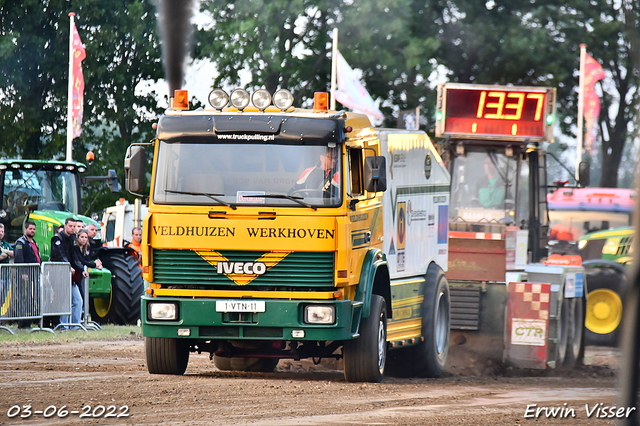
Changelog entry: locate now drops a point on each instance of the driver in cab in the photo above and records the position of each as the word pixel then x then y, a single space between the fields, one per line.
pixel 492 194
pixel 321 177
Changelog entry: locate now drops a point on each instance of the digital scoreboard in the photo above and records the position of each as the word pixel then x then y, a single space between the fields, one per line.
pixel 495 112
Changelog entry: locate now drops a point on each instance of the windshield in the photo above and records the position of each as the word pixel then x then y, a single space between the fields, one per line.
pixel 483 187
pixel 28 190
pixel 571 225
pixel 248 174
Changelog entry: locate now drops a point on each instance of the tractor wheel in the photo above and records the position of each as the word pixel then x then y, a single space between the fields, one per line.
pixel 427 358
pixel 365 356
pixel 122 307
pixel 262 365
pixel 166 356
pixel 575 331
pixel 604 306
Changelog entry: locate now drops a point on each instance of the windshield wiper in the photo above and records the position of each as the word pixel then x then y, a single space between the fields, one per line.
pixel 289 197
pixel 206 194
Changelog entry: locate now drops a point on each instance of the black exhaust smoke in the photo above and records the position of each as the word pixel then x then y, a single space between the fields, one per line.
pixel 174 18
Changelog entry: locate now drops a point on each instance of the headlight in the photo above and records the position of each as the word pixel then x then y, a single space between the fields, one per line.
pixel 320 314
pixel 283 99
pixel 261 99
pixel 218 99
pixel 240 98
pixel 611 247
pixel 581 244
pixel 163 311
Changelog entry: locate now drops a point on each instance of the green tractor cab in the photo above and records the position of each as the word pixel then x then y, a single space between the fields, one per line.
pixel 48 192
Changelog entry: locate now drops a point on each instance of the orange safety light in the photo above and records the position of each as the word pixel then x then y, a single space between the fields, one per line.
pixel 90 157
pixel 320 102
pixel 181 100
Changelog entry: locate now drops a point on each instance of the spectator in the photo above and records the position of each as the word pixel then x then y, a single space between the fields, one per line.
pixel 27 251
pixel 92 231
pixel 6 251
pixel 79 226
pixel 136 244
pixel 62 242
pixel 80 257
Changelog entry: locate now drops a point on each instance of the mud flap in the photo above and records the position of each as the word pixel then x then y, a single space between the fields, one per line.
pixel 527 328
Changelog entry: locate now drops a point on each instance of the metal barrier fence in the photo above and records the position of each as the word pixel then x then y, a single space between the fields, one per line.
pixel 20 292
pixel 56 288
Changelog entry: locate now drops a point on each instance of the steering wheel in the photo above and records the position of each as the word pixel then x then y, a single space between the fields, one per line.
pixel 475 203
pixel 309 192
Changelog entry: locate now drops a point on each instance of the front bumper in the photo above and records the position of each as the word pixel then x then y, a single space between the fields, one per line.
pixel 280 319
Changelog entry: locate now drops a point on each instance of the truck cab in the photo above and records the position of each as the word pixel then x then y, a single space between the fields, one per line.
pixel 269 234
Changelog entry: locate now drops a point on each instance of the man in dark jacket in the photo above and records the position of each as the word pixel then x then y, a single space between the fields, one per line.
pixel 62 242
pixel 26 251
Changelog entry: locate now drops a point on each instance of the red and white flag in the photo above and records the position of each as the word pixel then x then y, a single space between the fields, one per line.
pixel 592 72
pixel 78 83
pixel 351 92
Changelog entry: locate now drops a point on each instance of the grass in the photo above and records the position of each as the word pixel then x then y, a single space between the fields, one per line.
pixel 108 332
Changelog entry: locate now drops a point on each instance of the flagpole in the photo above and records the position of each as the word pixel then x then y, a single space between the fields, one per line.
pixel 70 91
pixel 579 139
pixel 334 65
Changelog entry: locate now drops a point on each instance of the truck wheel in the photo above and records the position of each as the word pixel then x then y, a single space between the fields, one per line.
pixel 262 365
pixel 575 332
pixel 563 331
pixel 365 356
pixel 604 306
pixel 123 305
pixel 428 358
pixel 166 356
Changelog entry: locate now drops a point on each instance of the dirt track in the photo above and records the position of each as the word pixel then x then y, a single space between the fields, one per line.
pixel 298 393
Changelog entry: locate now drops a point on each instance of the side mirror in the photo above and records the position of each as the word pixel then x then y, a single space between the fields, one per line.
pixel 112 181
pixel 134 164
pixel 585 174
pixel 375 174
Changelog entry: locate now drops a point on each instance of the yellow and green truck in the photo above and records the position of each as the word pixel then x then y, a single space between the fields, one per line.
pixel 275 232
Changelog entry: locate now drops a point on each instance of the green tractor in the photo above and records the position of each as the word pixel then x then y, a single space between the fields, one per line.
pixel 48 192
pixel 605 254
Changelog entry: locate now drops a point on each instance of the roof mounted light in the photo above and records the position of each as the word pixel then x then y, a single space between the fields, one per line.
pixel 58 167
pixel 82 169
pixel 3 167
pixel 181 100
pixel 28 166
pixel 239 99
pixel 283 99
pixel 69 167
pixel 15 165
pixel 320 102
pixel 261 99
pixel 218 99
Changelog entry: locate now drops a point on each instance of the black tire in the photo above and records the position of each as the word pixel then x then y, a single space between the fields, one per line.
pixel 365 356
pixel 428 358
pixel 166 356
pixel 575 332
pixel 261 365
pixel 603 279
pixel 127 286
pixel 563 331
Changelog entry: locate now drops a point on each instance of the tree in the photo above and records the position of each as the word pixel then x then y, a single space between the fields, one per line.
pixel 282 43
pixel 122 52
pixel 537 43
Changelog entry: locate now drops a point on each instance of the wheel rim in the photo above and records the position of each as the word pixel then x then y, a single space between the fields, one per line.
pixel 441 326
pixel 604 311
pixel 103 305
pixel 382 344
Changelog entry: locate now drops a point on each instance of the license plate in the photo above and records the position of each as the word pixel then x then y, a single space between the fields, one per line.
pixel 240 306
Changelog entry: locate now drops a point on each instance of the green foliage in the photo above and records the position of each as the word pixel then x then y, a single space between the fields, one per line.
pixel 283 43
pixel 122 51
